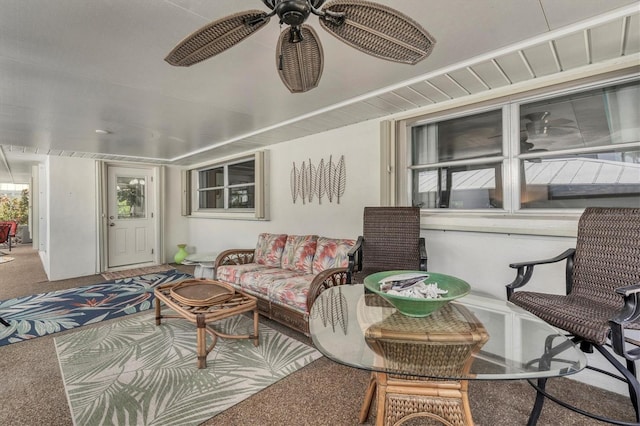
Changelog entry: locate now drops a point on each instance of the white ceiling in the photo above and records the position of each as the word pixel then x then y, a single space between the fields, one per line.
pixel 69 67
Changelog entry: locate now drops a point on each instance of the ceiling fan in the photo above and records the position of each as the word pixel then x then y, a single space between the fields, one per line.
pixel 535 127
pixel 540 126
pixel 372 28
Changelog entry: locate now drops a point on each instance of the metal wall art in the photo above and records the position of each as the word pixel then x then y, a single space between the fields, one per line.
pixel 326 180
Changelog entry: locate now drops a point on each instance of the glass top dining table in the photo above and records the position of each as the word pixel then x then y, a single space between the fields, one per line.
pixel 473 338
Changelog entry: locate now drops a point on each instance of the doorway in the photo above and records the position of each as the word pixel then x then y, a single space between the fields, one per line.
pixel 131 213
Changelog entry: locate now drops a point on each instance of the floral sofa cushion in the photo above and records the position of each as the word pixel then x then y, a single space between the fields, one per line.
pixel 269 249
pixel 260 281
pixel 298 253
pixel 291 292
pixel 233 273
pixel 331 253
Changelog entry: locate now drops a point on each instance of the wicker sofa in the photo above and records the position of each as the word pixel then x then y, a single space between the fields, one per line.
pixel 286 273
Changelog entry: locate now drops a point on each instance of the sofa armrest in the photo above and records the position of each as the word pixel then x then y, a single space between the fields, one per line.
pixel 328 278
pixel 235 257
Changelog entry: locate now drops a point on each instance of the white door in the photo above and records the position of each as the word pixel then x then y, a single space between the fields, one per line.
pixel 130 216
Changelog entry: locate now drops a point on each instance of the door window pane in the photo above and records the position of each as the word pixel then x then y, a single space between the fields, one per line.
pixel 130 193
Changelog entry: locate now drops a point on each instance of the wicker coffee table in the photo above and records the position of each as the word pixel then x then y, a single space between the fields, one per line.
pixel 203 302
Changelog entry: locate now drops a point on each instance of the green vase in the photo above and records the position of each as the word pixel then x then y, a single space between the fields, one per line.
pixel 181 254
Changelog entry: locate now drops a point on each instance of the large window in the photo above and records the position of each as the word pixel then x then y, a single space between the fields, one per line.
pixel 563 152
pixel 229 186
pixel 235 186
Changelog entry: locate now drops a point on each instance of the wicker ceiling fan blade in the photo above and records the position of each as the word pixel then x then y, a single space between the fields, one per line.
pixel 377 30
pixel 216 37
pixel 300 63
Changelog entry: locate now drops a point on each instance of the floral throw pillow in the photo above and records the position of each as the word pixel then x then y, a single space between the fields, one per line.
pixel 332 253
pixel 269 249
pixel 298 253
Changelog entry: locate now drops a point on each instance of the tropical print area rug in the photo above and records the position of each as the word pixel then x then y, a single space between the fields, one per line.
pixel 46 313
pixel 132 372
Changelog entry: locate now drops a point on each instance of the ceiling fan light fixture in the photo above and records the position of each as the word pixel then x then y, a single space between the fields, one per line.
pixel 300 64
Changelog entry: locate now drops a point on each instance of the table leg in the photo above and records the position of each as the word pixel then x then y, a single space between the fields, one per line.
pixel 201 341
pixel 158 315
pixel 255 327
pixel 381 386
pixel 368 399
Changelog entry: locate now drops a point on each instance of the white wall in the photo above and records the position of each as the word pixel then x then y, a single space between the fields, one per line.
pixel 483 259
pixel 71 241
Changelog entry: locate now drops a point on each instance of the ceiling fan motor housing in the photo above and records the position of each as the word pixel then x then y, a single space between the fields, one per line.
pixel 293 12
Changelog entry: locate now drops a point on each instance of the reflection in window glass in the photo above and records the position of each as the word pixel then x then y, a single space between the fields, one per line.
pixel 230 186
pixel 242 197
pixel 461 187
pixel 601 117
pixel 130 193
pixel 212 199
pixel 212 178
pixel 610 179
pixel 462 138
pixel 242 173
pixel 565 152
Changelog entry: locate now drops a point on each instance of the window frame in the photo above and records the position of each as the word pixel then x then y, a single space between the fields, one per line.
pixel 191 188
pixel 396 146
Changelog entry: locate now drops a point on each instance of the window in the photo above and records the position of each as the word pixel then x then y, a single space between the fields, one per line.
pixel 131 196
pixel 457 162
pixel 563 152
pixel 229 186
pixel 235 186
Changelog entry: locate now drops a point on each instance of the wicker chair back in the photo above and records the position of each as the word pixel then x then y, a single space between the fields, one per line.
pixel 391 238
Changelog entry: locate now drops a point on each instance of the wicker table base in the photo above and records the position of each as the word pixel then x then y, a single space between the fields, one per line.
pixel 399 399
pixel 203 316
pixel 439 345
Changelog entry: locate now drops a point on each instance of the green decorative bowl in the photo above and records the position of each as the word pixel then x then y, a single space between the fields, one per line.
pixel 417 307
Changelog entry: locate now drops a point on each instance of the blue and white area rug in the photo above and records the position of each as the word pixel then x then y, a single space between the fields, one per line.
pixel 47 313
pixel 132 372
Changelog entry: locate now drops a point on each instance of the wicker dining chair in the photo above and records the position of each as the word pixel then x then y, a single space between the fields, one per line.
pixel 602 298
pixel 390 241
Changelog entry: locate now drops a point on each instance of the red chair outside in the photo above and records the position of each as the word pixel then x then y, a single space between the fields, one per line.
pixel 13 227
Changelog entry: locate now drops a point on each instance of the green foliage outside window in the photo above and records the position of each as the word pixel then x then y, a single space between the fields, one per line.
pixel 15 208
